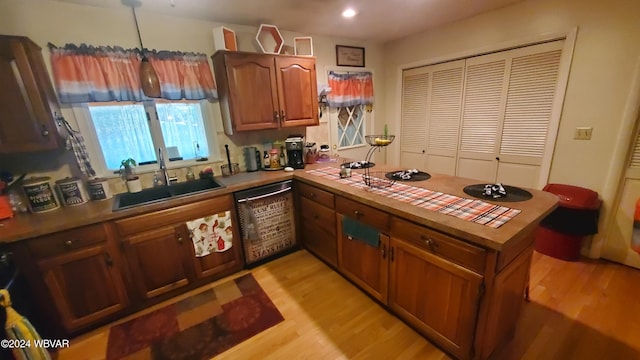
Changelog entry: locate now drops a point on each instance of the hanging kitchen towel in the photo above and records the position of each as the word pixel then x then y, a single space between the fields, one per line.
pixel 359 231
pixel 75 142
pixel 211 233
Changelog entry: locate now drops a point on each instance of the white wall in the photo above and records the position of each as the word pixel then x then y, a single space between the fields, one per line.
pixel 607 48
pixel 47 21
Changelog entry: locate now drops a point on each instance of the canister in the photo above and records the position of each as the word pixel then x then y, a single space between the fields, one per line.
pixel 71 191
pixel 99 189
pixel 40 195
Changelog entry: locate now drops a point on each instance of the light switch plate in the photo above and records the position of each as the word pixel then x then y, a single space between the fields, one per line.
pixel 582 133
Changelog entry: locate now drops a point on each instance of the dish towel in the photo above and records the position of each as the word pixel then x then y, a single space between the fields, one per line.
pixel 211 233
pixel 360 231
pixel 494 190
pixel 75 142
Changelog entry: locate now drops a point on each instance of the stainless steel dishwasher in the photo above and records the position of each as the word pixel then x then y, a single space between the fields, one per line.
pixel 267 222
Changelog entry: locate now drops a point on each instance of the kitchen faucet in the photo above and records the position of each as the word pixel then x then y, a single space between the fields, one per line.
pixel 163 167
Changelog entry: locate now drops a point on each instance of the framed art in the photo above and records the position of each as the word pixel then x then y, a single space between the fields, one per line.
pixel 349 56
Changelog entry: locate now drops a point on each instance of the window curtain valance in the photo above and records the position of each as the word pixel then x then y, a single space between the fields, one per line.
pixel 88 73
pixel 350 89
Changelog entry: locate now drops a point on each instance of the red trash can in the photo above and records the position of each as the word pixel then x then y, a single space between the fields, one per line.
pixel 560 234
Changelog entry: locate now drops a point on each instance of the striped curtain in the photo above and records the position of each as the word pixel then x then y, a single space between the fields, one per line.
pixel 88 73
pixel 349 89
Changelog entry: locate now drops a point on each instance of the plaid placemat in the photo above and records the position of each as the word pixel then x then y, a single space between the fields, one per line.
pixel 473 210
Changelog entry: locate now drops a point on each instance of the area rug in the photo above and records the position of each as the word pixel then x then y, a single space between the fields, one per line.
pixel 198 327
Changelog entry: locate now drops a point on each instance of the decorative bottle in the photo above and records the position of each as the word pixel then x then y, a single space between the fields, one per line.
pixel 283 160
pixel 265 161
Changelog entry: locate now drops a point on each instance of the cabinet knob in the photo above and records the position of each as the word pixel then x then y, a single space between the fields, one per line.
pixel 276 116
pixel 68 244
pixel 316 217
pixel 108 260
pixel 313 195
pixel 357 213
pixel 349 237
pixel 282 116
pixel 383 251
pixel 180 239
pixel 45 132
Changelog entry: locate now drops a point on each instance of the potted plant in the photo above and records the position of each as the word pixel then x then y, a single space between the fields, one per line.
pixel 126 169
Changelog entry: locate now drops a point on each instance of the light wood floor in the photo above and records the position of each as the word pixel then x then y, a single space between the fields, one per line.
pixel 578 310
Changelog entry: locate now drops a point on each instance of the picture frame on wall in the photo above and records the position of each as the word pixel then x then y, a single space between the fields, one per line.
pixel 349 56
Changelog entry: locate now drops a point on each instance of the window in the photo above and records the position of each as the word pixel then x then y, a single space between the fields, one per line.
pixel 351 126
pixel 121 130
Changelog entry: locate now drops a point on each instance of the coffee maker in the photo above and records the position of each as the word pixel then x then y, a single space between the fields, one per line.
pixel 294 144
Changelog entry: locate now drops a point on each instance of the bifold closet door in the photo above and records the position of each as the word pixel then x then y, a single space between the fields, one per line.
pixel 431 116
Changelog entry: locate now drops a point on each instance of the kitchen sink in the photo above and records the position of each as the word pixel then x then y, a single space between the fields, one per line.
pixel 152 195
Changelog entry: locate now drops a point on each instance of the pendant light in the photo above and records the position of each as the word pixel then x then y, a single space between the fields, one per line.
pixel 148 77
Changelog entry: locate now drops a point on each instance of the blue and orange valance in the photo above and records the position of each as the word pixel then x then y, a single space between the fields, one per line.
pixel 88 73
pixel 350 89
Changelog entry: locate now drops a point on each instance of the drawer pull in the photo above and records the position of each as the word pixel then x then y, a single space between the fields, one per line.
pixel 429 242
pixel 68 244
pixel 349 237
pixel 357 213
pixel 312 195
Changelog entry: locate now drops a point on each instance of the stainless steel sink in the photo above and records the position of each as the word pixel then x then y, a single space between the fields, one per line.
pixel 148 196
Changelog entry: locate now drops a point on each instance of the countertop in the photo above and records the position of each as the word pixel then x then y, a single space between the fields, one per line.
pixel 24 226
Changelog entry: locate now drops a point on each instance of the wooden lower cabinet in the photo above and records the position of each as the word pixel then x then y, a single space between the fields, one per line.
pixel 162 259
pixel 436 296
pixel 364 264
pixel 85 286
pixel 318 230
pixel 76 276
pixel 156 261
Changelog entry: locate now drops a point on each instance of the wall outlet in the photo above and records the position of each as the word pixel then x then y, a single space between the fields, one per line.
pixel 582 133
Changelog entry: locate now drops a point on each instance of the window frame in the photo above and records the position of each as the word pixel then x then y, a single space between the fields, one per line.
pixel 85 125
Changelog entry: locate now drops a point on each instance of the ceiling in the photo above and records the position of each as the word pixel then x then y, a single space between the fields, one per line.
pixel 377 20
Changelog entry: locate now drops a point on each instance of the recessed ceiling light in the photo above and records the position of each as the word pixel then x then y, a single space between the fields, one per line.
pixel 349 13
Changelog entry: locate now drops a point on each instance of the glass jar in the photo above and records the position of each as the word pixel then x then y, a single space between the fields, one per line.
pixel 274 159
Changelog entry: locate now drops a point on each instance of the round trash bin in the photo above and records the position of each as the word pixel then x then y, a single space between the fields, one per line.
pixel 560 234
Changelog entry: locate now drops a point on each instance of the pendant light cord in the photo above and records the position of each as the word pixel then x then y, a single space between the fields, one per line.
pixel 138 30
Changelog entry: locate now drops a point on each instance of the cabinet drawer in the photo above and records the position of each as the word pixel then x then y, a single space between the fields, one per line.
pixel 460 252
pixel 317 214
pixel 321 196
pixel 66 241
pixel 364 213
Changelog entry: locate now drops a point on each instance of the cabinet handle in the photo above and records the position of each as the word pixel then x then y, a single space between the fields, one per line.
pixel 391 253
pixel 429 242
pixel 383 250
pixel 316 217
pixel 68 244
pixel 276 117
pixel 108 260
pixel 282 116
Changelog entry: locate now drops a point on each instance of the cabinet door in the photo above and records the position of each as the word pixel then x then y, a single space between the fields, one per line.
pixel 157 260
pixel 216 264
pixel 318 230
pixel 253 94
pixel 297 91
pixel 27 100
pixel 436 296
pixel 85 286
pixel 364 264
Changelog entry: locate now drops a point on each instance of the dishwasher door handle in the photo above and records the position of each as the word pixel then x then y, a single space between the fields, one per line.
pixel 264 195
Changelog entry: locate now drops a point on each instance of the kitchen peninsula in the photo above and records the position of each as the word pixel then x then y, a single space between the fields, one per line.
pixel 459 283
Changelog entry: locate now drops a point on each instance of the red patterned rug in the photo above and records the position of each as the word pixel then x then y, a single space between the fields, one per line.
pixel 198 327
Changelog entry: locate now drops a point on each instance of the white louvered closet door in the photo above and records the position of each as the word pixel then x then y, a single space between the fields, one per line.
pixel 485 91
pixel 415 95
pixel 531 92
pixel 443 124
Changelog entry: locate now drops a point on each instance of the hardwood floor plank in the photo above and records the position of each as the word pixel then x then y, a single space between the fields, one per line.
pixel 578 310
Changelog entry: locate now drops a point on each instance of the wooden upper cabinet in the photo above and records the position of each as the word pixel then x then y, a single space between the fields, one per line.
pixel 264 91
pixel 297 91
pixel 27 101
